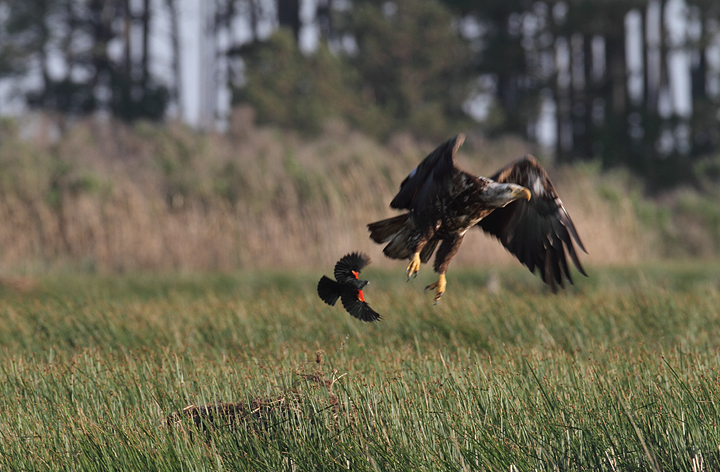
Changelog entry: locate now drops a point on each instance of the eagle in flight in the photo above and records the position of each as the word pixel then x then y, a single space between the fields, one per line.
pixel 518 205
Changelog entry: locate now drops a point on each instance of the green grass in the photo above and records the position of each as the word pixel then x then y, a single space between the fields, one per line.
pixel 620 372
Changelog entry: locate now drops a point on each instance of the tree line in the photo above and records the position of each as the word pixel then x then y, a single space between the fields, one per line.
pixel 598 79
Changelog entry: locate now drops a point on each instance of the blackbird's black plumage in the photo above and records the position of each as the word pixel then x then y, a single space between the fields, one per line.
pixel 348 287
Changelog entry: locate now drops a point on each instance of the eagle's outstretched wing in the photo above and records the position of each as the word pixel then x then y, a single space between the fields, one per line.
pixel 538 231
pixel 429 178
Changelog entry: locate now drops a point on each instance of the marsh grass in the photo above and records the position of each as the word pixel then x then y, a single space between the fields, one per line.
pixel 621 372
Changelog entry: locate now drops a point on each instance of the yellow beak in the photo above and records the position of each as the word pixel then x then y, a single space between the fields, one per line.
pixel 522 192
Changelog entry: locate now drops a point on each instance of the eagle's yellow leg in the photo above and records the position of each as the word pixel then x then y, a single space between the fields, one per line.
pixel 440 286
pixel 414 267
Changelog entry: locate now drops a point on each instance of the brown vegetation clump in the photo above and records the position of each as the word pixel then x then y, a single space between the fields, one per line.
pixel 108 197
pixel 258 413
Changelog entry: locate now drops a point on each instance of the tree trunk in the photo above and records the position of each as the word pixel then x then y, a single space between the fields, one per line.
pixel 208 61
pixel 581 69
pixel 254 19
pixel 563 104
pixel 101 26
pixel 589 137
pixel 145 42
pixel 324 19
pixel 127 38
pixel 176 64
pixel 651 51
pixel 289 15
pixel 662 53
pixel 617 74
pixel 698 74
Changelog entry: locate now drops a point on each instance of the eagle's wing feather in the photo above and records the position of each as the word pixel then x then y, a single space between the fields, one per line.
pixel 539 231
pixel 429 178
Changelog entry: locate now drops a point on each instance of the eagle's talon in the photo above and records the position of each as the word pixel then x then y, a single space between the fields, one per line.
pixel 413 267
pixel 440 286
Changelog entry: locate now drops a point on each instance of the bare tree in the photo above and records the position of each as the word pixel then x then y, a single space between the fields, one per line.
pixel 289 15
pixel 175 90
pixel 145 25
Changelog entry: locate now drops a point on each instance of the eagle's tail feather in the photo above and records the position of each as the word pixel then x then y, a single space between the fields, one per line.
pixel 394 231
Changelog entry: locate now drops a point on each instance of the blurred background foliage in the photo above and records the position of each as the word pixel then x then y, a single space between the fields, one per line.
pixel 591 86
pixel 587 79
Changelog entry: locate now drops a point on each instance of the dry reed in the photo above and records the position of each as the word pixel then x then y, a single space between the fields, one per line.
pixel 107 197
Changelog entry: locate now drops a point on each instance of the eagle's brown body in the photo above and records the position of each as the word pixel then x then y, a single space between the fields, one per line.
pixel 447 220
pixel 518 205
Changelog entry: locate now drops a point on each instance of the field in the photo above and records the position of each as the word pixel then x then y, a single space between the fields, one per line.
pixel 621 372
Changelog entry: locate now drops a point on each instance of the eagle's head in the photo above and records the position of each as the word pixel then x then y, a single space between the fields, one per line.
pixel 498 195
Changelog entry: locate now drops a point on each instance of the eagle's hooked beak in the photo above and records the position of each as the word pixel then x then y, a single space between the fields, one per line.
pixel 522 192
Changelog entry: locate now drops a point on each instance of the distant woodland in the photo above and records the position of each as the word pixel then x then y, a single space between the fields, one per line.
pixel 601 76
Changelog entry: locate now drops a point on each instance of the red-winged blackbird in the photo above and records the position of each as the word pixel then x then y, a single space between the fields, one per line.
pixel 348 287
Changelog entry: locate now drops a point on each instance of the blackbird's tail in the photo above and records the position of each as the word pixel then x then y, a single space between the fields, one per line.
pixel 329 290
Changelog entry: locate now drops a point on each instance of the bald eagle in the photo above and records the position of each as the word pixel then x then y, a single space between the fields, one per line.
pixel 518 205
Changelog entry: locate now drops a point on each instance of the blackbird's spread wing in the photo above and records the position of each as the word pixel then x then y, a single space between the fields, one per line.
pixel 346 272
pixel 431 177
pixel 353 262
pixel 538 231
pixel 357 307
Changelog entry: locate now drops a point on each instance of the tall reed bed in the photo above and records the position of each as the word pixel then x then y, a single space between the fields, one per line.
pixel 104 196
